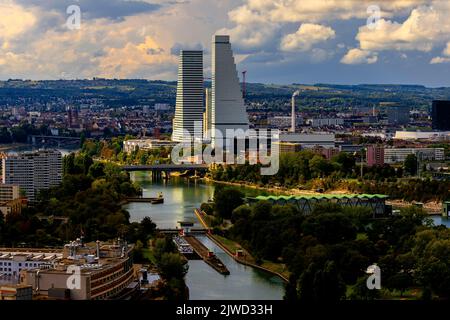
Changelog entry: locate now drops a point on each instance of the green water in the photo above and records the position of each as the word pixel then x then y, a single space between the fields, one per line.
pixel 180 199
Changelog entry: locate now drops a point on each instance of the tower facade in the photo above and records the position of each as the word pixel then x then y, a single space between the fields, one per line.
pixel 228 108
pixel 189 103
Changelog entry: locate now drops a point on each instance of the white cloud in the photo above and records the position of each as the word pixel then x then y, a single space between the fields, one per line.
pixel 447 49
pixel 437 60
pixel 358 56
pixel 307 35
pixel 425 27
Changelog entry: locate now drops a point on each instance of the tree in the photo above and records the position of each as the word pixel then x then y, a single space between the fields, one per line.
pixel 410 164
pixel 226 200
pixel 171 266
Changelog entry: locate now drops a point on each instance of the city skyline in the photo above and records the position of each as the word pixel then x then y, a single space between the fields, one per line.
pixel 297 42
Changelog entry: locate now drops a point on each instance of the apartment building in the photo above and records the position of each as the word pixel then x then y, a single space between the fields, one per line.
pixel 32 171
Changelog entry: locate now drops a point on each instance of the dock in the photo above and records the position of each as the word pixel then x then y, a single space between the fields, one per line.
pixel 209 257
pixel 140 199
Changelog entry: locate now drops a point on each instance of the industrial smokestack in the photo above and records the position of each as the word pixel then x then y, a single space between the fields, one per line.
pixel 296 93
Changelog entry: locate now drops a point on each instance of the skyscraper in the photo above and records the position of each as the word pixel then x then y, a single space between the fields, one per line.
pixel 189 103
pixel 441 115
pixel 228 108
pixel 33 171
pixel 207 115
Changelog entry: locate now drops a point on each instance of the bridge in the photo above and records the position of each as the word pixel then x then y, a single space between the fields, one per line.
pixel 34 139
pixel 157 170
pixel 166 167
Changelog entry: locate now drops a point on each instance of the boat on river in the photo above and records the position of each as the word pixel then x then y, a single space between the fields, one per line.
pixel 158 200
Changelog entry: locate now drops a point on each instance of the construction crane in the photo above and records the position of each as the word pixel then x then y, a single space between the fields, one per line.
pixel 243 83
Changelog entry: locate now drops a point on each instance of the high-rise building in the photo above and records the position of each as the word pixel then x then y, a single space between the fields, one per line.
pixel 375 155
pixel 189 103
pixel 207 115
pixel 33 171
pixel 398 115
pixel 440 115
pixel 228 108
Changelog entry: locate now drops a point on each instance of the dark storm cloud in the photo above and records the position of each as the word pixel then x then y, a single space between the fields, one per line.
pixel 94 9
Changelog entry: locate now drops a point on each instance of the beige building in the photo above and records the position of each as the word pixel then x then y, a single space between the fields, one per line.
pixel 85 272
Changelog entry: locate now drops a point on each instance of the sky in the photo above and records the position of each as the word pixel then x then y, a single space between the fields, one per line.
pixel 275 41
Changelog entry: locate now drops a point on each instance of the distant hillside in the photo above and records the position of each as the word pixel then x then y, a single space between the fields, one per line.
pixel 115 92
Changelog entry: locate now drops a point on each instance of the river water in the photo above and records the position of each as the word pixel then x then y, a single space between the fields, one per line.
pixel 180 199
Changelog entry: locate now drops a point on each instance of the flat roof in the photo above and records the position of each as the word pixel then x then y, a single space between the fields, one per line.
pixel 323 196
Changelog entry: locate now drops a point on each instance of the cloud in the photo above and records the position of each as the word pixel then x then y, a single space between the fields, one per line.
pixel 109 9
pixel 288 11
pixel 14 21
pixel 358 56
pixel 307 35
pixel 425 27
pixel 177 47
pixel 447 49
pixel 437 60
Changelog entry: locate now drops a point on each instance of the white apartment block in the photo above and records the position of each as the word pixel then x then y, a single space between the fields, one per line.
pixel 394 155
pixel 33 171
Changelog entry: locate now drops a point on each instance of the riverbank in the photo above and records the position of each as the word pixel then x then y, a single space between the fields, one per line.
pixel 231 248
pixel 432 207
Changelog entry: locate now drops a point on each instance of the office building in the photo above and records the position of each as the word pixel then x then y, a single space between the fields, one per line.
pixel 189 101
pixel 288 147
pixel 394 155
pixel 375 155
pixel 228 108
pixel 398 115
pixel 422 135
pixel 106 270
pixel 33 171
pixel 440 114
pixel 9 192
pixel 326 122
pixel 146 144
pixel 16 292
pixel 207 118
pixel 324 140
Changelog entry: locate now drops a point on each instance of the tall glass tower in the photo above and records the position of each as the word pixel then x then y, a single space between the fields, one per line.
pixel 189 104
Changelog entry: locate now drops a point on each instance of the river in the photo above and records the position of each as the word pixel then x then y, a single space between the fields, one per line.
pixel 180 199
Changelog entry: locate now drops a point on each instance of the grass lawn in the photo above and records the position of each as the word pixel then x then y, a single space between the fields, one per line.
pixel 276 267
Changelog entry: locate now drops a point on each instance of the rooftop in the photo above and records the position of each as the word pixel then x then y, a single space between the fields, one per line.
pixel 323 196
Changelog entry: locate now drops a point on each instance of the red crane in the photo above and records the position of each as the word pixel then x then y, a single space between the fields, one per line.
pixel 243 83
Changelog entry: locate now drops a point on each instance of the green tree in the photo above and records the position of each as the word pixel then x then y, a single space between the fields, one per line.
pixel 410 164
pixel 226 200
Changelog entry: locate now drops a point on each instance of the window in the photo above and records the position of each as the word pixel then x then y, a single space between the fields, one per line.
pixel 20 264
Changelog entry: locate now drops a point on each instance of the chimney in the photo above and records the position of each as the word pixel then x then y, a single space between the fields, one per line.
pixel 98 248
pixel 296 93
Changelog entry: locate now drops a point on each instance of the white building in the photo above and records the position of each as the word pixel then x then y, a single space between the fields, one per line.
pixel 326 122
pixel 228 108
pixel 12 262
pixel 324 140
pixel 189 103
pixel 33 171
pixel 282 122
pixel 146 144
pixel 394 155
pixel 419 135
